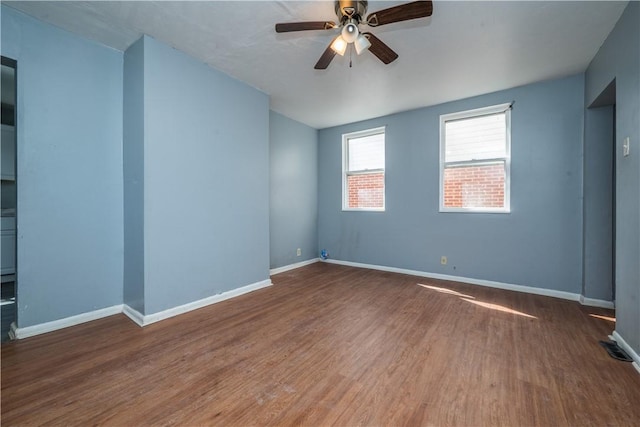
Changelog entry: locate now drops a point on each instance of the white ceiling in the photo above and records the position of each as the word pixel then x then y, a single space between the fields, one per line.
pixel 464 49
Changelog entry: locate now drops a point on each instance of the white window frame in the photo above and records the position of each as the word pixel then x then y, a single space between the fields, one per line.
pixel 485 111
pixel 346 172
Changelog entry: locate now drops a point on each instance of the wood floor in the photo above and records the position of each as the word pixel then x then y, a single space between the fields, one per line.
pixel 331 345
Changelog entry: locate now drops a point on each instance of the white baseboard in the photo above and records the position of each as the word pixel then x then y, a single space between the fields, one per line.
pixel 137 317
pixel 292 266
pixel 147 319
pixel 627 348
pixel 592 302
pixel 133 314
pixel 489 283
pixel 42 328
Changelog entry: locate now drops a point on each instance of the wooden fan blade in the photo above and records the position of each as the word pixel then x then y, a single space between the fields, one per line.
pixel 403 12
pixel 304 26
pixel 326 57
pixel 381 50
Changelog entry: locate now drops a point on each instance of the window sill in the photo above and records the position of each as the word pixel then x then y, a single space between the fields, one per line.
pixel 363 209
pixel 475 210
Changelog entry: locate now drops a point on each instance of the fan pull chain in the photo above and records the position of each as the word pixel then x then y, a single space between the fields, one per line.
pixel 350 52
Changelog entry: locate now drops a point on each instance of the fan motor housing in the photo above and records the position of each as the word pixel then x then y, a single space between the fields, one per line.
pixel 351 10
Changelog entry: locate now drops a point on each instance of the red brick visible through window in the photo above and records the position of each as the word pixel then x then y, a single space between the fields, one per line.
pixel 474 186
pixel 366 191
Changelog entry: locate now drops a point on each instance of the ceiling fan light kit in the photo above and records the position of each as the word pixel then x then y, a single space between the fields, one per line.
pixel 361 44
pixel 350 17
pixel 339 45
pixel 350 32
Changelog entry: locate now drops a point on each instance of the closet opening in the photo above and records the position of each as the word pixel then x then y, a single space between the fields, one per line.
pixel 8 308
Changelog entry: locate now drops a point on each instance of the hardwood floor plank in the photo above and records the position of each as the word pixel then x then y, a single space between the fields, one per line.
pixel 331 345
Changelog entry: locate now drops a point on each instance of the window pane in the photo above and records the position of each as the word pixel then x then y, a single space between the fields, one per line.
pixel 477 138
pixel 476 186
pixel 366 190
pixel 366 152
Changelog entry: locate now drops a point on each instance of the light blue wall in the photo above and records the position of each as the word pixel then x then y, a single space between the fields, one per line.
pixel 133 173
pixel 598 204
pixel 293 212
pixel 538 244
pixel 206 180
pixel 69 152
pixel 619 59
pixel 196 181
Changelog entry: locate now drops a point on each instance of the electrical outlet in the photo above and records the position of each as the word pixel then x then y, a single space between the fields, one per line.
pixel 625 147
pixel 443 260
pixel 298 252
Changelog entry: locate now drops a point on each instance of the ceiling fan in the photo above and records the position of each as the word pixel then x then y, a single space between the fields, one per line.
pixel 350 17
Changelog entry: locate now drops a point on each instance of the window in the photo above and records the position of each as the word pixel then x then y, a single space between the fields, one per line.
pixel 475 158
pixel 363 170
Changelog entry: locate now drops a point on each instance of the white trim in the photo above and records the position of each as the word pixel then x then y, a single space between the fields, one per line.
pixel 133 314
pixel 292 266
pixel 54 325
pixel 482 111
pixel 469 114
pixel 363 209
pixel 382 130
pixel 592 302
pixel 147 319
pixel 136 316
pixel 627 348
pixel 488 283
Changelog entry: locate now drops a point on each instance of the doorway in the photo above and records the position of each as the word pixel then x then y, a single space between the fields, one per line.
pixel 9 195
pixel 599 197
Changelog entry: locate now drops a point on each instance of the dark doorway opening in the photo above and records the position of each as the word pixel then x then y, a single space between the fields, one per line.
pixel 8 303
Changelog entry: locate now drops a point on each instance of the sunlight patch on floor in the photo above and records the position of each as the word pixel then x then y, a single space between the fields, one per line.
pixel 472 300
pixel 446 291
pixel 608 318
pixel 500 308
